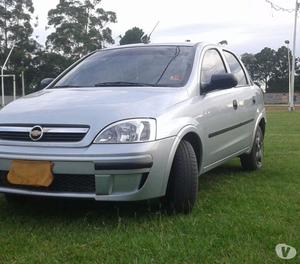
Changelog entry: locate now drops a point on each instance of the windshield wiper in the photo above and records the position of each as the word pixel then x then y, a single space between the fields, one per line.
pixel 169 63
pixel 121 83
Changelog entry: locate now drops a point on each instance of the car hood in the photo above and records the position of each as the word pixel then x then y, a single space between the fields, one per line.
pixel 96 107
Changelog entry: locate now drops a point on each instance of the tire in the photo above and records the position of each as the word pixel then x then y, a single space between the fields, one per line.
pixel 182 190
pixel 254 160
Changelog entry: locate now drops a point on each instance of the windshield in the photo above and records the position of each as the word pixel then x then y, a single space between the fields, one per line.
pixel 168 66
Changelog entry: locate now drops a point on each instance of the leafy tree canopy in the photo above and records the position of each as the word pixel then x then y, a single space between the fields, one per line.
pixel 15 27
pixel 271 67
pixel 81 26
pixel 15 17
pixel 132 36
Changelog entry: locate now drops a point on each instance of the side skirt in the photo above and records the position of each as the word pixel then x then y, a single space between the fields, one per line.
pixel 219 162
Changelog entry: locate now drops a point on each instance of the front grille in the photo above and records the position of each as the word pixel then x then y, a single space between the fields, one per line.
pixel 47 137
pixel 62 183
pixel 49 133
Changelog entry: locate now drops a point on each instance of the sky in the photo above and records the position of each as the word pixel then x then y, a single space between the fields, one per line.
pixel 247 25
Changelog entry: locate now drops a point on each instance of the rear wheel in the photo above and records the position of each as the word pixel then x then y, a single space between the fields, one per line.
pixel 254 160
pixel 182 190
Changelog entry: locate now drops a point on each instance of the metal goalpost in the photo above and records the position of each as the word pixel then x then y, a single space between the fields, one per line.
pixel 9 75
pixel 13 76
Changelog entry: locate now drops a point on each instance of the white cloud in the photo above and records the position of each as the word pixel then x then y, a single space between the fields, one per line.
pixel 248 25
pixel 41 10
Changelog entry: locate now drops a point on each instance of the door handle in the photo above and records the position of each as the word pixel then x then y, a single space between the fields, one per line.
pixel 253 100
pixel 235 104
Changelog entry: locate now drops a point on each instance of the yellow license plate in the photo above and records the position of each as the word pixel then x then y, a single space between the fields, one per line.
pixel 31 173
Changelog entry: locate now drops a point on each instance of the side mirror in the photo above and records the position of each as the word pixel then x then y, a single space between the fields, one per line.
pixel 221 81
pixel 46 82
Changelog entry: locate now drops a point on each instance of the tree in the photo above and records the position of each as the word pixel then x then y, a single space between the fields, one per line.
pixel 266 60
pixel 46 65
pixel 81 26
pixel 15 26
pixel 261 66
pixel 132 36
pixel 271 67
pixel 280 81
pixel 250 63
pixel 282 66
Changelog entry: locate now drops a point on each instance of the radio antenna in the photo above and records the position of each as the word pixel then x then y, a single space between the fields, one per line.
pixel 146 38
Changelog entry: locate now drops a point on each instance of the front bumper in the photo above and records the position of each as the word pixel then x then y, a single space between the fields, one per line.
pixel 115 172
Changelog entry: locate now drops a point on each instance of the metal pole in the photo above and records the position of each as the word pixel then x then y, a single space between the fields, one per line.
pixel 289 59
pixel 287 42
pixel 23 84
pixel 291 106
pixel 14 88
pixel 147 41
pixel 2 86
pixel 2 73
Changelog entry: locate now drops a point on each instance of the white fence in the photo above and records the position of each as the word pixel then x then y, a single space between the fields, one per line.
pixel 280 98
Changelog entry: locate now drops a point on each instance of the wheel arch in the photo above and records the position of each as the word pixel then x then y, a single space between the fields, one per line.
pixel 190 134
pixel 262 125
pixel 196 143
pixel 261 122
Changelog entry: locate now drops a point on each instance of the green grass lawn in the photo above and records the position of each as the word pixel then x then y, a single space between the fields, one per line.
pixel 239 218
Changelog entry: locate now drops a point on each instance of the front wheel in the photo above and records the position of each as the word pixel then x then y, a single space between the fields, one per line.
pixel 254 160
pixel 182 190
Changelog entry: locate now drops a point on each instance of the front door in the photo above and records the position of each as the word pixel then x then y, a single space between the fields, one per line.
pixel 219 113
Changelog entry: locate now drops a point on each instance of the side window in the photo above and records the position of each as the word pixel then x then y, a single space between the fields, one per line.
pixel 212 64
pixel 236 68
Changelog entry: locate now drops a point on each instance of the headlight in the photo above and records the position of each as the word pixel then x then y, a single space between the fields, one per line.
pixel 128 131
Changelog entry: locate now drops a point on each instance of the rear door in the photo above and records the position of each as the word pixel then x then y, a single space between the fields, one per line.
pixel 246 98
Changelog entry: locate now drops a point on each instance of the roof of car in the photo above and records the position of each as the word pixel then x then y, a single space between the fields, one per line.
pixel 187 44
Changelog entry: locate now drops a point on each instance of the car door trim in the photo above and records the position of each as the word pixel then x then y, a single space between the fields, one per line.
pixel 225 130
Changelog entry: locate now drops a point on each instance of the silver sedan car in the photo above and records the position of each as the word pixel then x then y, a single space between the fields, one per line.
pixel 132 123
